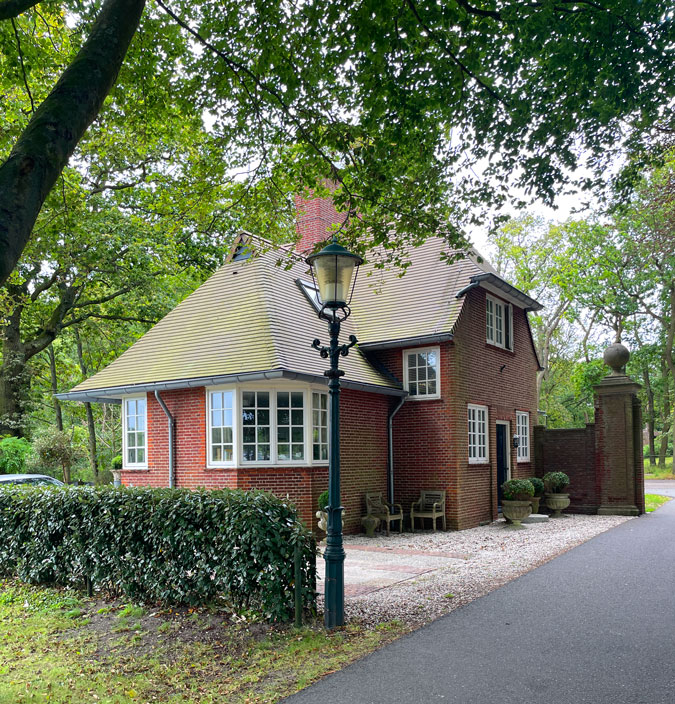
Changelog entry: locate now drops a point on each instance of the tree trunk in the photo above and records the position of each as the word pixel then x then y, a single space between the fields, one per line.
pixel 651 415
pixel 49 140
pixel 91 426
pixel 665 429
pixel 55 388
pixel 14 379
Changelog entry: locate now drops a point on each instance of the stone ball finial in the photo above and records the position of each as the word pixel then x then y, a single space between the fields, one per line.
pixel 616 357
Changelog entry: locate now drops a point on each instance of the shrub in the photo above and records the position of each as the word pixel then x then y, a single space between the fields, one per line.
pixel 555 482
pixel 323 500
pixel 117 462
pixel 538 485
pixel 171 546
pixel 54 449
pixel 517 489
pixel 13 455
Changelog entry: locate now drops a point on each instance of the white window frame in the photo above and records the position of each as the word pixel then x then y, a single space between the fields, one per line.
pixel 125 462
pixel 235 410
pixel 274 427
pixel 406 382
pixel 483 458
pixel 495 309
pixel 523 433
pixel 237 430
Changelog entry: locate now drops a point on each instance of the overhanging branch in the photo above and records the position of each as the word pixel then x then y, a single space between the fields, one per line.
pixel 13 8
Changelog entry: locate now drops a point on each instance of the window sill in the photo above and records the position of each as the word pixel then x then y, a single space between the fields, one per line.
pixel 135 469
pixel 481 463
pixel 492 346
pixel 438 397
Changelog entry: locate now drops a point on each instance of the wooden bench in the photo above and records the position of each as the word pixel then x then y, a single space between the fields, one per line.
pixel 387 513
pixel 431 504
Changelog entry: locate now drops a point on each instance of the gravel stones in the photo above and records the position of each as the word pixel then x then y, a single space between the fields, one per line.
pixel 492 555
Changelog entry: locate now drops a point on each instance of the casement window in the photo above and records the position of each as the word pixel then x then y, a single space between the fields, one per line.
pixel 523 433
pixel 221 427
pixel 478 438
pixel 255 426
pixel 135 433
pixel 421 372
pixel 319 426
pixel 290 425
pixel 498 323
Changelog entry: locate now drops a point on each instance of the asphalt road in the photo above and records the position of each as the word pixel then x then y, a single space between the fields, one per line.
pixel 665 487
pixel 596 625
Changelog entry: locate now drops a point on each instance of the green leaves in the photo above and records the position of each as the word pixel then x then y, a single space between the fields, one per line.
pixel 160 545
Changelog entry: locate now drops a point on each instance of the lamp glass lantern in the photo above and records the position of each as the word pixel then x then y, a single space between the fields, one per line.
pixel 332 271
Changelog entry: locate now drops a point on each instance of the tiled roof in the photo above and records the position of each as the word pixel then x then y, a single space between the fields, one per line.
pixel 423 302
pixel 250 316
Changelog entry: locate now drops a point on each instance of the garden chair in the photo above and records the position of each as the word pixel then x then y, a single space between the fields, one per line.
pixel 387 513
pixel 431 504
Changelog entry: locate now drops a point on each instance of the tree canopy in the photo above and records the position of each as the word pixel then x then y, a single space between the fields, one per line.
pixel 397 102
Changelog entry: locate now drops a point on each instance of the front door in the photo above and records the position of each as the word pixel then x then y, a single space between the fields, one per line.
pixel 502 457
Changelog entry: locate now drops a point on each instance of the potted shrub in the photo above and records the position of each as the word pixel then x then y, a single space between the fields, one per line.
pixel 516 503
pixel 557 499
pixel 117 470
pixel 322 514
pixel 538 485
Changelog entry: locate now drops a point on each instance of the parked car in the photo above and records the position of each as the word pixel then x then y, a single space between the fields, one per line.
pixel 32 479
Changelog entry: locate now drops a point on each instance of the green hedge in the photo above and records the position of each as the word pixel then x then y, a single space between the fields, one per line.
pixel 171 546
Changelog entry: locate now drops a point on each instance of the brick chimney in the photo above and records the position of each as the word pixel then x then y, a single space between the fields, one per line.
pixel 314 216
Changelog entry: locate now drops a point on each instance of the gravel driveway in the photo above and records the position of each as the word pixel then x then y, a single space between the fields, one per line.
pixel 417 577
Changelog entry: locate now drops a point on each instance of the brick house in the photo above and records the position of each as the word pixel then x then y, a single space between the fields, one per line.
pixel 226 391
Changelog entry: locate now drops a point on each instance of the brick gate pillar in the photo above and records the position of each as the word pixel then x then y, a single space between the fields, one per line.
pixel 619 468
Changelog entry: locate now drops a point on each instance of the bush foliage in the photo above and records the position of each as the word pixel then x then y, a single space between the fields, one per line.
pixel 517 489
pixel 556 482
pixel 538 485
pixel 171 546
pixel 13 455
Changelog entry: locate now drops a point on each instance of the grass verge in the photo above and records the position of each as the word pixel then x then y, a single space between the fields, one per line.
pixel 653 471
pixel 653 501
pixel 58 647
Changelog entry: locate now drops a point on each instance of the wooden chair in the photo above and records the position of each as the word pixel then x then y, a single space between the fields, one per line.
pixel 387 513
pixel 431 504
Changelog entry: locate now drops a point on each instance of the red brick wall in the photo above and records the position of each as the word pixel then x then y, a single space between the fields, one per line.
pixel 431 437
pixel 364 455
pixel 571 450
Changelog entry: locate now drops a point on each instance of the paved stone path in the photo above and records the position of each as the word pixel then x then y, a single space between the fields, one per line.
pixel 595 625
pixel 369 568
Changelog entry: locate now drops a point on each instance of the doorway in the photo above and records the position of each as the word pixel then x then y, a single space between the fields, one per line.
pixel 503 456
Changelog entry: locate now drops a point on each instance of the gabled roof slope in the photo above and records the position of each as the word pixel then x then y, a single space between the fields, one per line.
pixel 421 303
pixel 250 316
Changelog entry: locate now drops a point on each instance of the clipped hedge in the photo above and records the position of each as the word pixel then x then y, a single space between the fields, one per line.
pixel 172 546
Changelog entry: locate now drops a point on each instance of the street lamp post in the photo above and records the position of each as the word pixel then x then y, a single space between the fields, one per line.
pixel 332 269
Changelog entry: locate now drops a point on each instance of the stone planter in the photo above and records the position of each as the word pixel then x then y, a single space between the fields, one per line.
pixel 534 500
pixel 557 503
pixel 370 525
pixel 323 521
pixel 515 511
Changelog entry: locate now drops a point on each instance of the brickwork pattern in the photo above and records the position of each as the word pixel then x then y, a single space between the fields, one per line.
pixel 431 437
pixel 315 216
pixel 364 452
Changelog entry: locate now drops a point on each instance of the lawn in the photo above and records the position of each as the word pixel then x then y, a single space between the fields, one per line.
pixel 656 472
pixel 58 647
pixel 653 501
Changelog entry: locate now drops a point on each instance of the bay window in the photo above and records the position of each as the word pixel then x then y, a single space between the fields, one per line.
pixel 266 426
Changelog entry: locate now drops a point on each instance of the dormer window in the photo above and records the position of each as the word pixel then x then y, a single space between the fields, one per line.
pixel 311 292
pixel 498 323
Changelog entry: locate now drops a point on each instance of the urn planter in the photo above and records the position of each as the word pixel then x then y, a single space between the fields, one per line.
pixel 323 520
pixel 557 503
pixel 534 500
pixel 515 511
